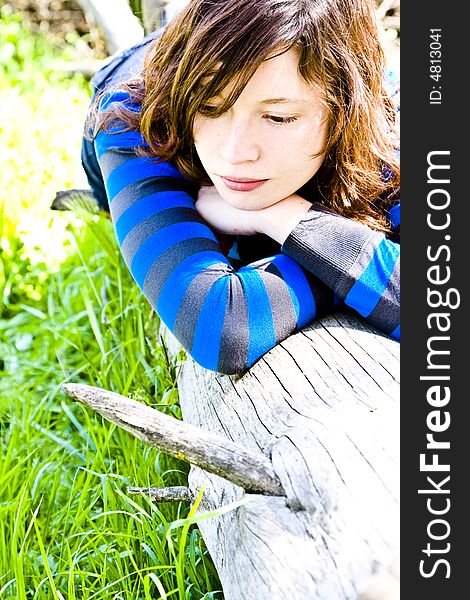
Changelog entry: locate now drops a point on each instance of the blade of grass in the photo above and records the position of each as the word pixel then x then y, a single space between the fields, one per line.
pixel 57 595
pixel 93 321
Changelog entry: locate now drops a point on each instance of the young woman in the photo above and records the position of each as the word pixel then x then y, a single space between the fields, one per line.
pixel 248 155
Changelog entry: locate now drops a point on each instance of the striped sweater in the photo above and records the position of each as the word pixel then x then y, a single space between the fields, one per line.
pixel 227 317
pixel 228 307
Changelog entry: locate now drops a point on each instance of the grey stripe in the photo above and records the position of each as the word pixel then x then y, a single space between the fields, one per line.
pixel 169 260
pixel 115 157
pixel 148 227
pixel 386 315
pixel 233 356
pixel 194 298
pixel 346 282
pixel 282 308
pixel 143 188
pixel 327 245
pixel 128 196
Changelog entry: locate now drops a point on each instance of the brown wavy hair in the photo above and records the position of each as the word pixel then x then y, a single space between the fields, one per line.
pixel 213 43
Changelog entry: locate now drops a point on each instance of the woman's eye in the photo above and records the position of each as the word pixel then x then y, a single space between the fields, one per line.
pixel 278 120
pixel 209 110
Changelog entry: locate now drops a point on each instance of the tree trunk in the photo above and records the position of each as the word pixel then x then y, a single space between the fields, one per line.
pixel 120 27
pixel 152 14
pixel 156 13
pixel 310 436
pixel 324 407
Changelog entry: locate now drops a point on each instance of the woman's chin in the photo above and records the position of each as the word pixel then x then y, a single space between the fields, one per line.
pixel 249 201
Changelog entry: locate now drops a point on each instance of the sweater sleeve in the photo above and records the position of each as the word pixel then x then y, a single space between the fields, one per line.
pixel 360 265
pixel 226 319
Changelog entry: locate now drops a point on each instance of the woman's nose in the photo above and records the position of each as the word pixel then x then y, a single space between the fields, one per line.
pixel 239 144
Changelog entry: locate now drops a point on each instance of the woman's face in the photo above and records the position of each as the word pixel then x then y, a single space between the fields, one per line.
pixel 264 147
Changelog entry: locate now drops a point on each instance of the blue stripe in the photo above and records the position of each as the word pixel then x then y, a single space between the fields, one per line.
pixel 136 169
pixel 368 289
pixel 208 333
pixel 104 141
pixel 148 206
pixel 394 215
pixel 113 97
pixel 165 238
pixel 396 333
pixel 262 335
pixel 299 289
pixel 178 282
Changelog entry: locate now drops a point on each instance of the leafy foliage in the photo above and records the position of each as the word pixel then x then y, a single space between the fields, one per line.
pixel 27 59
pixel 70 312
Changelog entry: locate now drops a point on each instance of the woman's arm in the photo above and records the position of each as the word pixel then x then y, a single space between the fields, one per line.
pixel 226 319
pixel 360 265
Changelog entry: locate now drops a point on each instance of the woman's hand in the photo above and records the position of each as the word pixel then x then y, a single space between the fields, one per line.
pixel 223 217
pixel 276 221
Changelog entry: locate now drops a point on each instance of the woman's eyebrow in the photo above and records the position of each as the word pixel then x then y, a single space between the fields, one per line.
pixel 284 101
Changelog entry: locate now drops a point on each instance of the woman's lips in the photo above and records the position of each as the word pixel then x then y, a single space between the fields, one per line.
pixel 242 184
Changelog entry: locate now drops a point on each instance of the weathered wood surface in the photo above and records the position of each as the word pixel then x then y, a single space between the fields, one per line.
pixel 169 494
pixel 214 453
pixel 314 426
pixel 324 407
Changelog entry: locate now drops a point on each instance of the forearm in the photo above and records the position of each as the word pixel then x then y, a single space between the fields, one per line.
pixel 360 265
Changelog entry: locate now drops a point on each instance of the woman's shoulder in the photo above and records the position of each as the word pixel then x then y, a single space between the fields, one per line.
pixel 123 66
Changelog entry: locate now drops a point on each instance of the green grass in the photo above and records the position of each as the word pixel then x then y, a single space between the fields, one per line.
pixel 67 525
pixel 70 312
